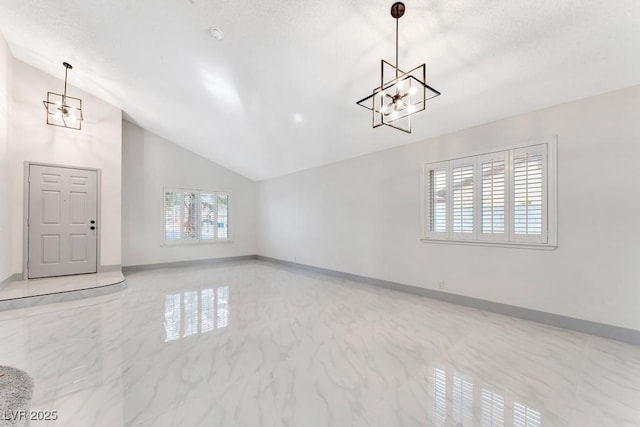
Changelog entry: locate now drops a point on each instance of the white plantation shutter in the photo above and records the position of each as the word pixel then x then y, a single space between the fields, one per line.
pixel 190 225
pixel 493 196
pixel 462 198
pixel 208 216
pixel 502 197
pixel 436 199
pixel 223 216
pixel 172 216
pixel 192 216
pixel 529 192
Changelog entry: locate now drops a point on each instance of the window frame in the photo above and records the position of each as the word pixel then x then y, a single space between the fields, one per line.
pixel 527 238
pixel 426 218
pixel 507 239
pixel 199 240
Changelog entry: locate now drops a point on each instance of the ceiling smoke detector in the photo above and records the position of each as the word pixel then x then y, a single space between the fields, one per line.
pixel 216 33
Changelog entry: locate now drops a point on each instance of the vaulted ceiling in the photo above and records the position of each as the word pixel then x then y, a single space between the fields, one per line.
pixel 278 93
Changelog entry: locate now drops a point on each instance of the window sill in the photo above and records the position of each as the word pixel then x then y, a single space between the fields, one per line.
pixel 183 244
pixel 496 244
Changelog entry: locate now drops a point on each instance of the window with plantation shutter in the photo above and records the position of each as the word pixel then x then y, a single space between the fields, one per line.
pixel 194 216
pixel 190 216
pixel 208 222
pixel 529 194
pixel 504 197
pixel 223 216
pixel 172 215
pixel 493 196
pixel 462 197
pixel 436 200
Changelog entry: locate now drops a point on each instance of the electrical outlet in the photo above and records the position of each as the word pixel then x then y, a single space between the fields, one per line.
pixel 441 284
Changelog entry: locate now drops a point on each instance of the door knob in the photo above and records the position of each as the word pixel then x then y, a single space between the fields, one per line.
pixel 93 228
pixel 93 221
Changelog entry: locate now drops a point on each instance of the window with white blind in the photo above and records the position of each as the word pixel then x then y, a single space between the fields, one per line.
pixel 195 216
pixel 503 197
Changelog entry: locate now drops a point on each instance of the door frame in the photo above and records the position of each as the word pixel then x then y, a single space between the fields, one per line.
pixel 25 212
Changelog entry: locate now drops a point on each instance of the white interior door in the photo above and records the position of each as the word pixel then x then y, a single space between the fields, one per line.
pixel 62 221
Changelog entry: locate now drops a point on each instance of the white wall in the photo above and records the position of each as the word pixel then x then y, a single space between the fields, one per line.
pixel 151 163
pixel 97 145
pixel 362 216
pixel 5 206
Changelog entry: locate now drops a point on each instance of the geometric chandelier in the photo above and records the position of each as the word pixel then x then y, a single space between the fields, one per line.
pixel 400 94
pixel 63 110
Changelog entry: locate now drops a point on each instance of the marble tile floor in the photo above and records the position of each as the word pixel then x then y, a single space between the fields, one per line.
pixel 52 285
pixel 253 343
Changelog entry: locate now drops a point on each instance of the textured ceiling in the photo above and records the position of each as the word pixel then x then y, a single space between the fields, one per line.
pixel 278 94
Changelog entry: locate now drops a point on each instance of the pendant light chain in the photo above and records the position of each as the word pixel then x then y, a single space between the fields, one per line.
pixel 397 23
pixel 66 70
